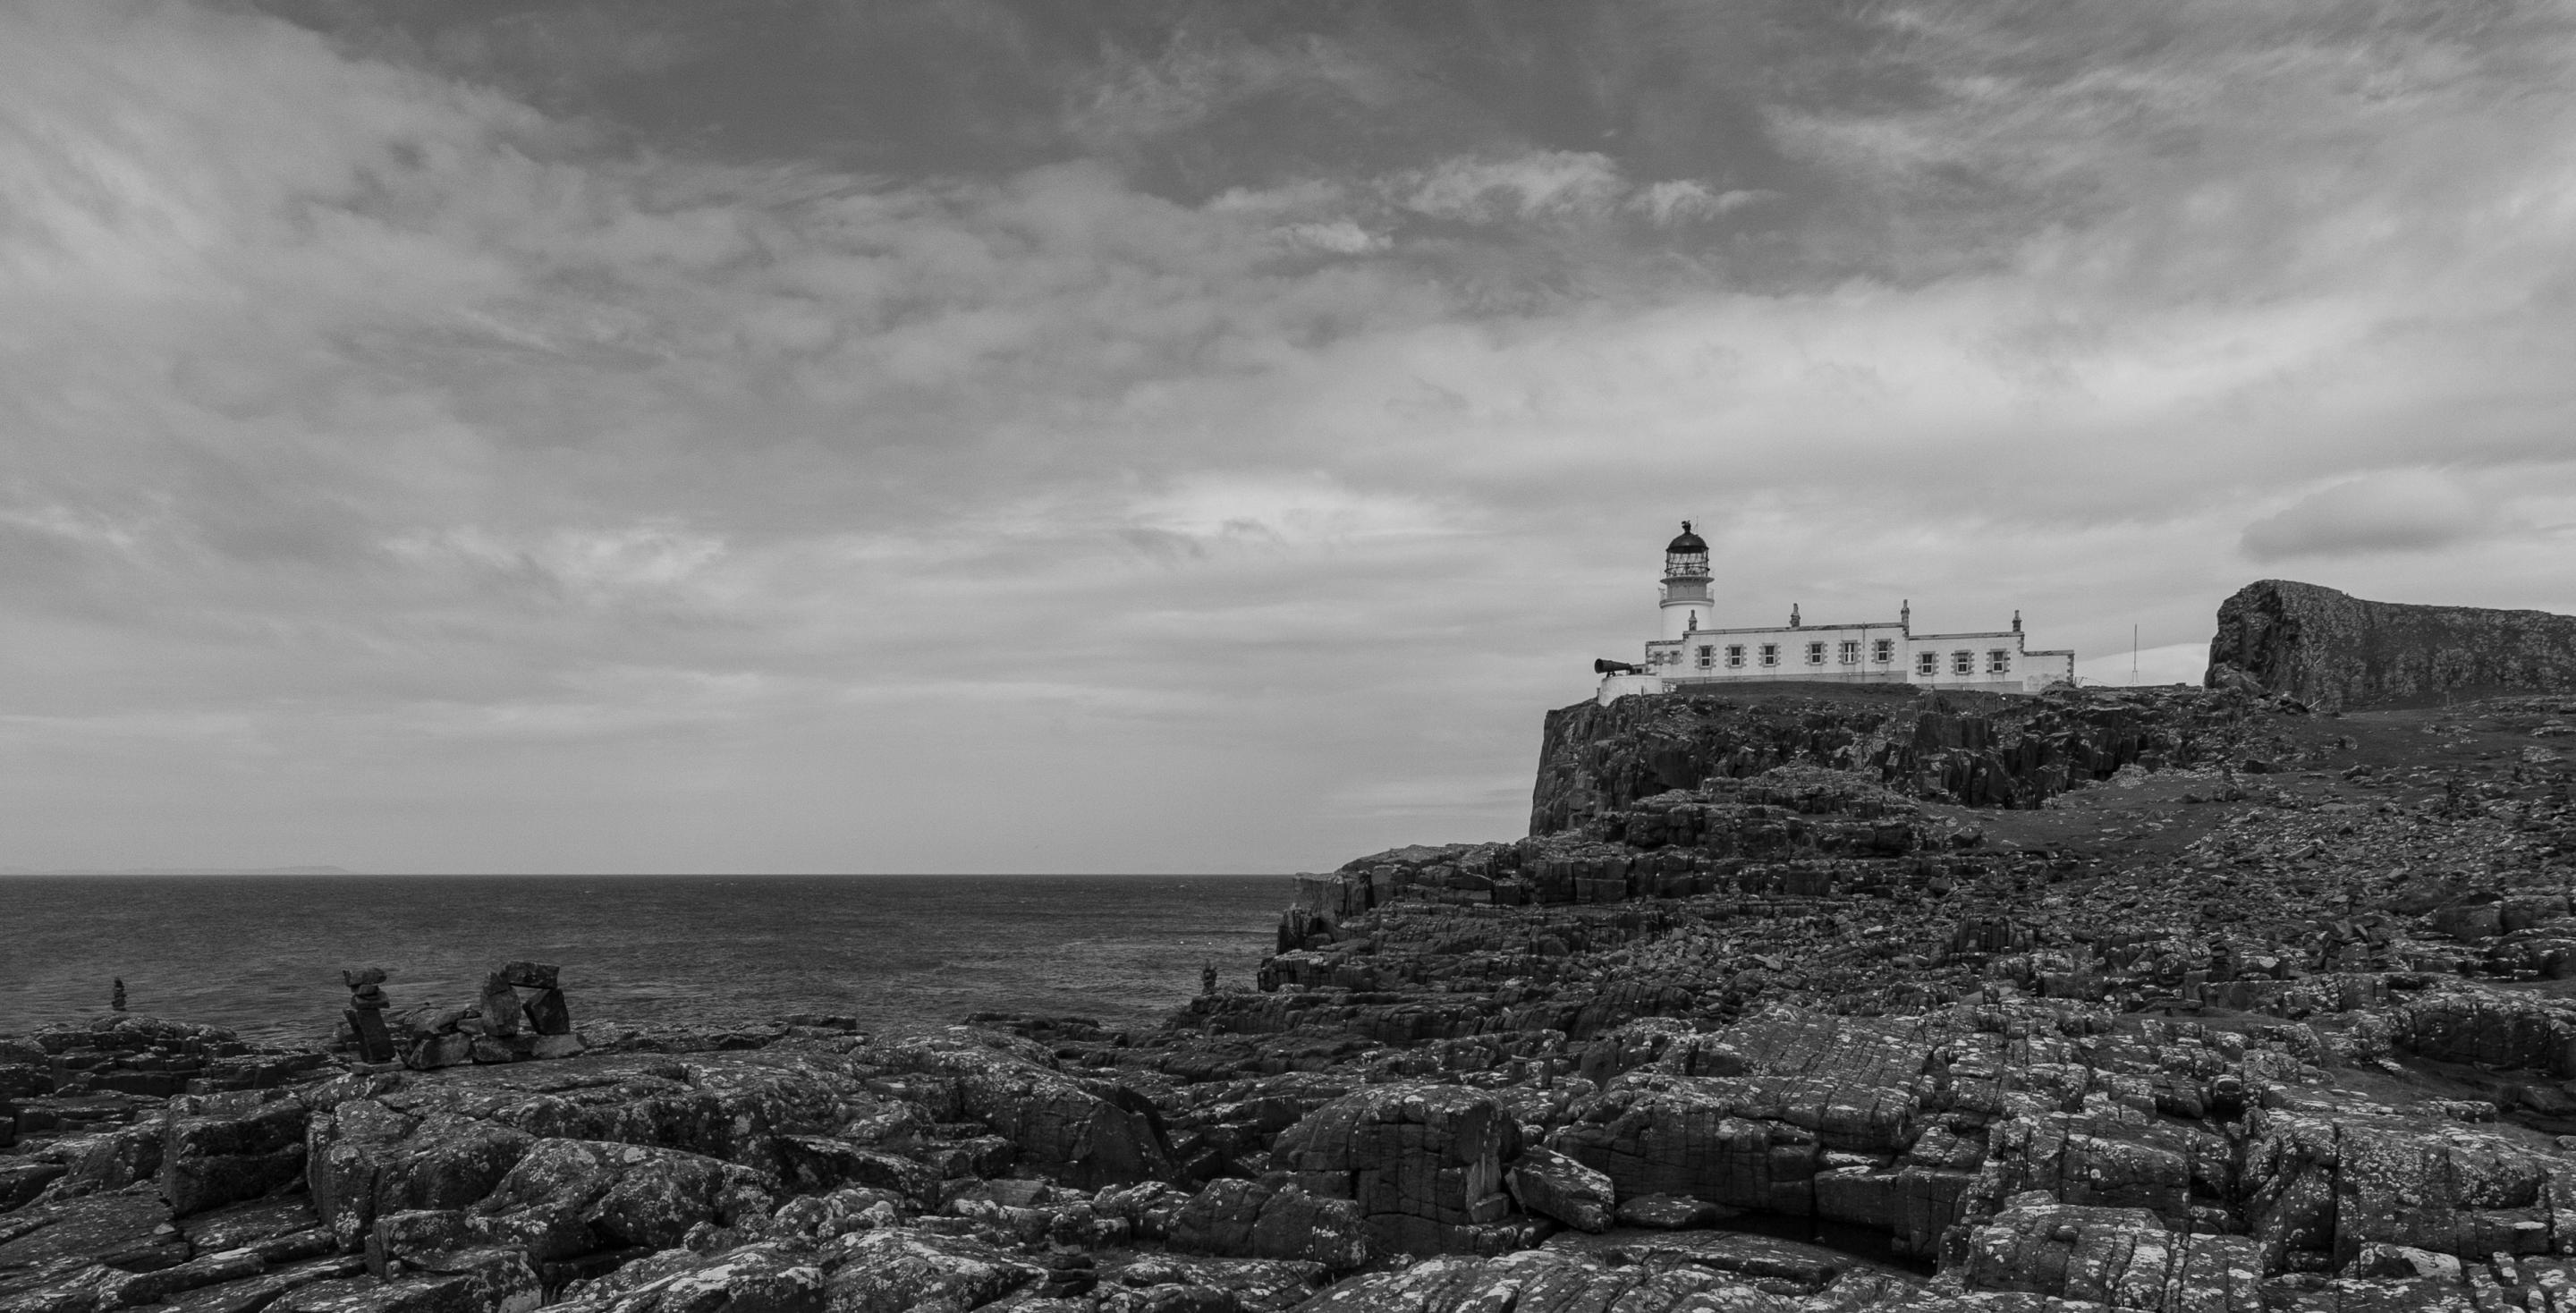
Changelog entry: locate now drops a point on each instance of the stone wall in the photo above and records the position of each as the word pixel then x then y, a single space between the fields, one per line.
pixel 2331 649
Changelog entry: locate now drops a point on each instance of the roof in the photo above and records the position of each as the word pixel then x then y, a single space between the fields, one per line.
pixel 1688 542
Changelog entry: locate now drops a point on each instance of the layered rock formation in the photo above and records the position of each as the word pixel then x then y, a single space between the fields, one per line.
pixel 1979 749
pixel 2331 649
pixel 1800 1004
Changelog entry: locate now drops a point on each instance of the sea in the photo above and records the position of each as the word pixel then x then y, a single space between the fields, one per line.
pixel 262 954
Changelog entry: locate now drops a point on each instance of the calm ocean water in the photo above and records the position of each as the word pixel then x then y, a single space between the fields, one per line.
pixel 262 954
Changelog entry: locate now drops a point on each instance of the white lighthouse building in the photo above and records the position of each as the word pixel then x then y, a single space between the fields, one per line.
pixel 1695 649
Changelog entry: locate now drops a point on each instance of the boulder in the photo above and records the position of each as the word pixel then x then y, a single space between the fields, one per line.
pixel 478 1281
pixel 435 1142
pixel 127 1230
pixel 1088 1133
pixel 627 1194
pixel 2113 1256
pixel 817 1164
pixel 452 1049
pixel 1249 1285
pixel 222 1148
pixel 253 1222
pixel 2404 1262
pixel 1795 1264
pixel 2470 919
pixel 2495 1030
pixel 1684 1137
pixel 1552 1185
pixel 549 1015
pixel 1556 1280
pixel 766 1277
pixel 1423 1162
pixel 418 1237
pixel 502 1013
pixel 106 1160
pixel 364 1158
pixel 1274 1219
pixel 893 1271
pixel 162 1284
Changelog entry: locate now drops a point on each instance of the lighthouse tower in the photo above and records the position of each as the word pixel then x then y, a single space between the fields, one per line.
pixel 1687 604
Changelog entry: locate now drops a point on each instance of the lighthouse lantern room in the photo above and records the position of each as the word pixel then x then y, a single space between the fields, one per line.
pixel 1686 600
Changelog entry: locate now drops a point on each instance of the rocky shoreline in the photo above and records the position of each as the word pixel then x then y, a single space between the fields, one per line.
pixel 1792 1000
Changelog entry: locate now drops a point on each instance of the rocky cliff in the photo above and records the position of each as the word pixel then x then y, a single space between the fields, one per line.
pixel 2177 1000
pixel 2331 649
pixel 1980 749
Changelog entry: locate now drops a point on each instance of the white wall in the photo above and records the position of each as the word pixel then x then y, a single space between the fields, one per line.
pixel 2021 671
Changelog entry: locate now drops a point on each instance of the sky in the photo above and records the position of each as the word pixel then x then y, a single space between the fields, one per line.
pixel 813 435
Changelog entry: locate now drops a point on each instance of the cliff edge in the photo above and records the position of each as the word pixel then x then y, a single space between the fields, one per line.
pixel 1976 749
pixel 2331 649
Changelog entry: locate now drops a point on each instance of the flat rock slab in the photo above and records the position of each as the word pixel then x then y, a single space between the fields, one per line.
pixel 246 1224
pixel 1672 1212
pixel 249 1296
pixel 1565 1280
pixel 1736 1252
pixel 129 1230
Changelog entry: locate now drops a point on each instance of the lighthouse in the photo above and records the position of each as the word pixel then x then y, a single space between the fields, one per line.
pixel 1697 650
pixel 1688 607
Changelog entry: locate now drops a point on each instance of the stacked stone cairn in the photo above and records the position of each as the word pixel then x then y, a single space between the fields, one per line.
pixel 505 1025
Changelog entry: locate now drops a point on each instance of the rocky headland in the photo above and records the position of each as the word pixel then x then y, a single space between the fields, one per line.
pixel 1793 1000
pixel 2334 650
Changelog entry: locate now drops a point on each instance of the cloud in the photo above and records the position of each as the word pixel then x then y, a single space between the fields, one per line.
pixel 1553 186
pixel 1206 476
pixel 1287 511
pixel 2415 510
pixel 1342 237
pixel 1536 185
pixel 592 567
pixel 1679 200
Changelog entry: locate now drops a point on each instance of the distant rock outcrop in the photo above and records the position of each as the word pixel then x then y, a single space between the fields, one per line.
pixel 2331 649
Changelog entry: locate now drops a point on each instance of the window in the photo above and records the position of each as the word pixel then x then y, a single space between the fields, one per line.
pixel 1883 651
pixel 1815 654
pixel 1998 661
pixel 1770 654
pixel 1927 663
pixel 1735 656
pixel 1707 656
pixel 1963 662
pixel 1849 652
